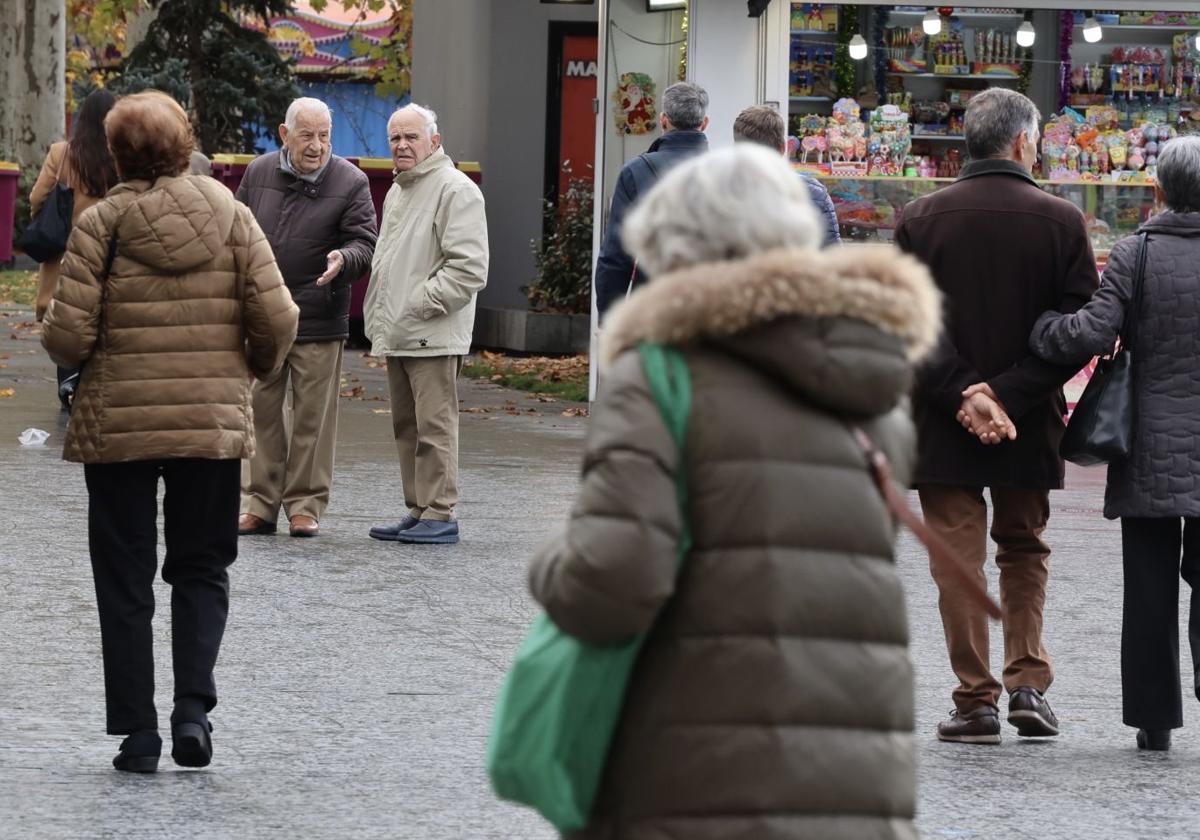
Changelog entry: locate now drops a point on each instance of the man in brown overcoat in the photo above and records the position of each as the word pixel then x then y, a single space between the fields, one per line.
pixel 1002 251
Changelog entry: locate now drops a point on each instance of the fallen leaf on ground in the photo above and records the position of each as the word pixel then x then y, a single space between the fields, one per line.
pixel 575 412
pixel 356 391
pixel 7 392
pixel 479 409
pixel 381 411
pixel 546 399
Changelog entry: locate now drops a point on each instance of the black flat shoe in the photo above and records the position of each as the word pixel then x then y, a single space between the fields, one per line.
pixel 1154 739
pixel 191 743
pixel 139 752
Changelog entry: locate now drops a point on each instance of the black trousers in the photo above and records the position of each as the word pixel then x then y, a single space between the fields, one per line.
pixel 1156 552
pixel 200 511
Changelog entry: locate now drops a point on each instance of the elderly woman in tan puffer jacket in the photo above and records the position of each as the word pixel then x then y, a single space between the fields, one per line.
pixel 773 697
pixel 169 299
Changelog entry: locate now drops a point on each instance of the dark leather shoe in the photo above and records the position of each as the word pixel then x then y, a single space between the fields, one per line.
pixel 250 525
pixel 392 532
pixel 191 743
pixel 303 526
pixel 1154 739
pixel 1031 714
pixel 431 531
pixel 139 752
pixel 978 726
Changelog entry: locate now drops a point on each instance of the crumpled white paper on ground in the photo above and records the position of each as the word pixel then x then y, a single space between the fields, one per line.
pixel 33 437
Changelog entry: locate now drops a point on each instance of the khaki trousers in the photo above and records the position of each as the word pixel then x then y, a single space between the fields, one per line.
pixel 424 392
pixel 1019 516
pixel 293 461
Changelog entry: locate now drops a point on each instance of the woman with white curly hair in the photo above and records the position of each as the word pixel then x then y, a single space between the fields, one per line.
pixel 773 696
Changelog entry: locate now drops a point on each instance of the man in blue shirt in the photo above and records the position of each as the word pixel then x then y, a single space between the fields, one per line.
pixel 684 118
pixel 765 126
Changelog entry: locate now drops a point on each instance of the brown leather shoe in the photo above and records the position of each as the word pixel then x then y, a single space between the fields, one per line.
pixel 250 525
pixel 978 726
pixel 303 526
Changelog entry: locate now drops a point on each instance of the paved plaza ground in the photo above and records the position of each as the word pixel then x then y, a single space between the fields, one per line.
pixel 357 677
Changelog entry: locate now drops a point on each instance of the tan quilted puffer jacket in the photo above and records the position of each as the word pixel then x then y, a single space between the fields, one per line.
pixel 192 305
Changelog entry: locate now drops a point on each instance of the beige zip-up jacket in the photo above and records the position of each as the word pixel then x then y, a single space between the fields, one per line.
pixel 430 262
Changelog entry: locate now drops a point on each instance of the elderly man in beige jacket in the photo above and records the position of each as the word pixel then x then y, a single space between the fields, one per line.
pixel 430 262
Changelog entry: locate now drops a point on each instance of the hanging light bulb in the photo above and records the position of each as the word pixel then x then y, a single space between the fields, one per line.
pixel 1026 34
pixel 932 22
pixel 858 47
pixel 1091 29
pixel 1198 41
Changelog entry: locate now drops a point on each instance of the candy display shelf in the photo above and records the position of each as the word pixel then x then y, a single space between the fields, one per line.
pixel 810 98
pixel 868 206
pixel 992 77
pixel 1139 27
pixel 899 14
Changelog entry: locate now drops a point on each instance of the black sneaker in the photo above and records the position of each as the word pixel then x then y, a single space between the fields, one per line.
pixel 191 743
pixel 1031 714
pixel 139 752
pixel 1154 739
pixel 978 726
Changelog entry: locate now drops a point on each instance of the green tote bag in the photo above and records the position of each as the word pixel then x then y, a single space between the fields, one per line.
pixel 562 698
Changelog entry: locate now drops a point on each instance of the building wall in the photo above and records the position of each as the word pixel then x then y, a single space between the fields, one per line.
pixel 481 64
pixel 638 42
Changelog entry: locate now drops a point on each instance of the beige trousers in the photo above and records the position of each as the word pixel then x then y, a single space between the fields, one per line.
pixel 293 460
pixel 424 392
pixel 1019 516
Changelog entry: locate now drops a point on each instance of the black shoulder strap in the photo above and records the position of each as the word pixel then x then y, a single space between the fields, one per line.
pixel 1133 311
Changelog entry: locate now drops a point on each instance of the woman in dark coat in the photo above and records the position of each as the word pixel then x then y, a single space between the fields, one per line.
pixel 1156 490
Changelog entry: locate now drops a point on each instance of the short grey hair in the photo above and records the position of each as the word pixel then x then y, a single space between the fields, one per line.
pixel 1179 174
pixel 426 114
pixel 305 103
pixel 685 105
pixel 994 120
pixel 721 205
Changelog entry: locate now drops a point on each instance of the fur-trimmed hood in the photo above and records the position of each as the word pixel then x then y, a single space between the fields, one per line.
pixel 843 326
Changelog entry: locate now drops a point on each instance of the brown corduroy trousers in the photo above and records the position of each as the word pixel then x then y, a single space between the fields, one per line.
pixel 1019 516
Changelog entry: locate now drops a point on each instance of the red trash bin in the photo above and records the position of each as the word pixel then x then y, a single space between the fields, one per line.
pixel 379 176
pixel 10 177
pixel 229 169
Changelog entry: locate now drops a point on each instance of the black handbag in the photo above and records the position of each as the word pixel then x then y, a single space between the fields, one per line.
pixel 46 236
pixel 1101 427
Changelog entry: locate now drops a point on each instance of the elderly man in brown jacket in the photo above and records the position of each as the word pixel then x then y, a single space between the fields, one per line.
pixel 1003 252
pixel 316 211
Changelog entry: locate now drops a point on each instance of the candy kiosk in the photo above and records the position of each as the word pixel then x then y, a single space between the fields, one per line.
pixel 878 116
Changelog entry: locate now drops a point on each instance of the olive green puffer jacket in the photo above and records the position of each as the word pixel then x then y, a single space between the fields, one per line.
pixel 774 696
pixel 167 341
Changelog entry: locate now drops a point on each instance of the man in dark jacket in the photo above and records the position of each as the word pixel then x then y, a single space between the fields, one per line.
pixel 315 209
pixel 765 126
pixel 684 118
pixel 1003 252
